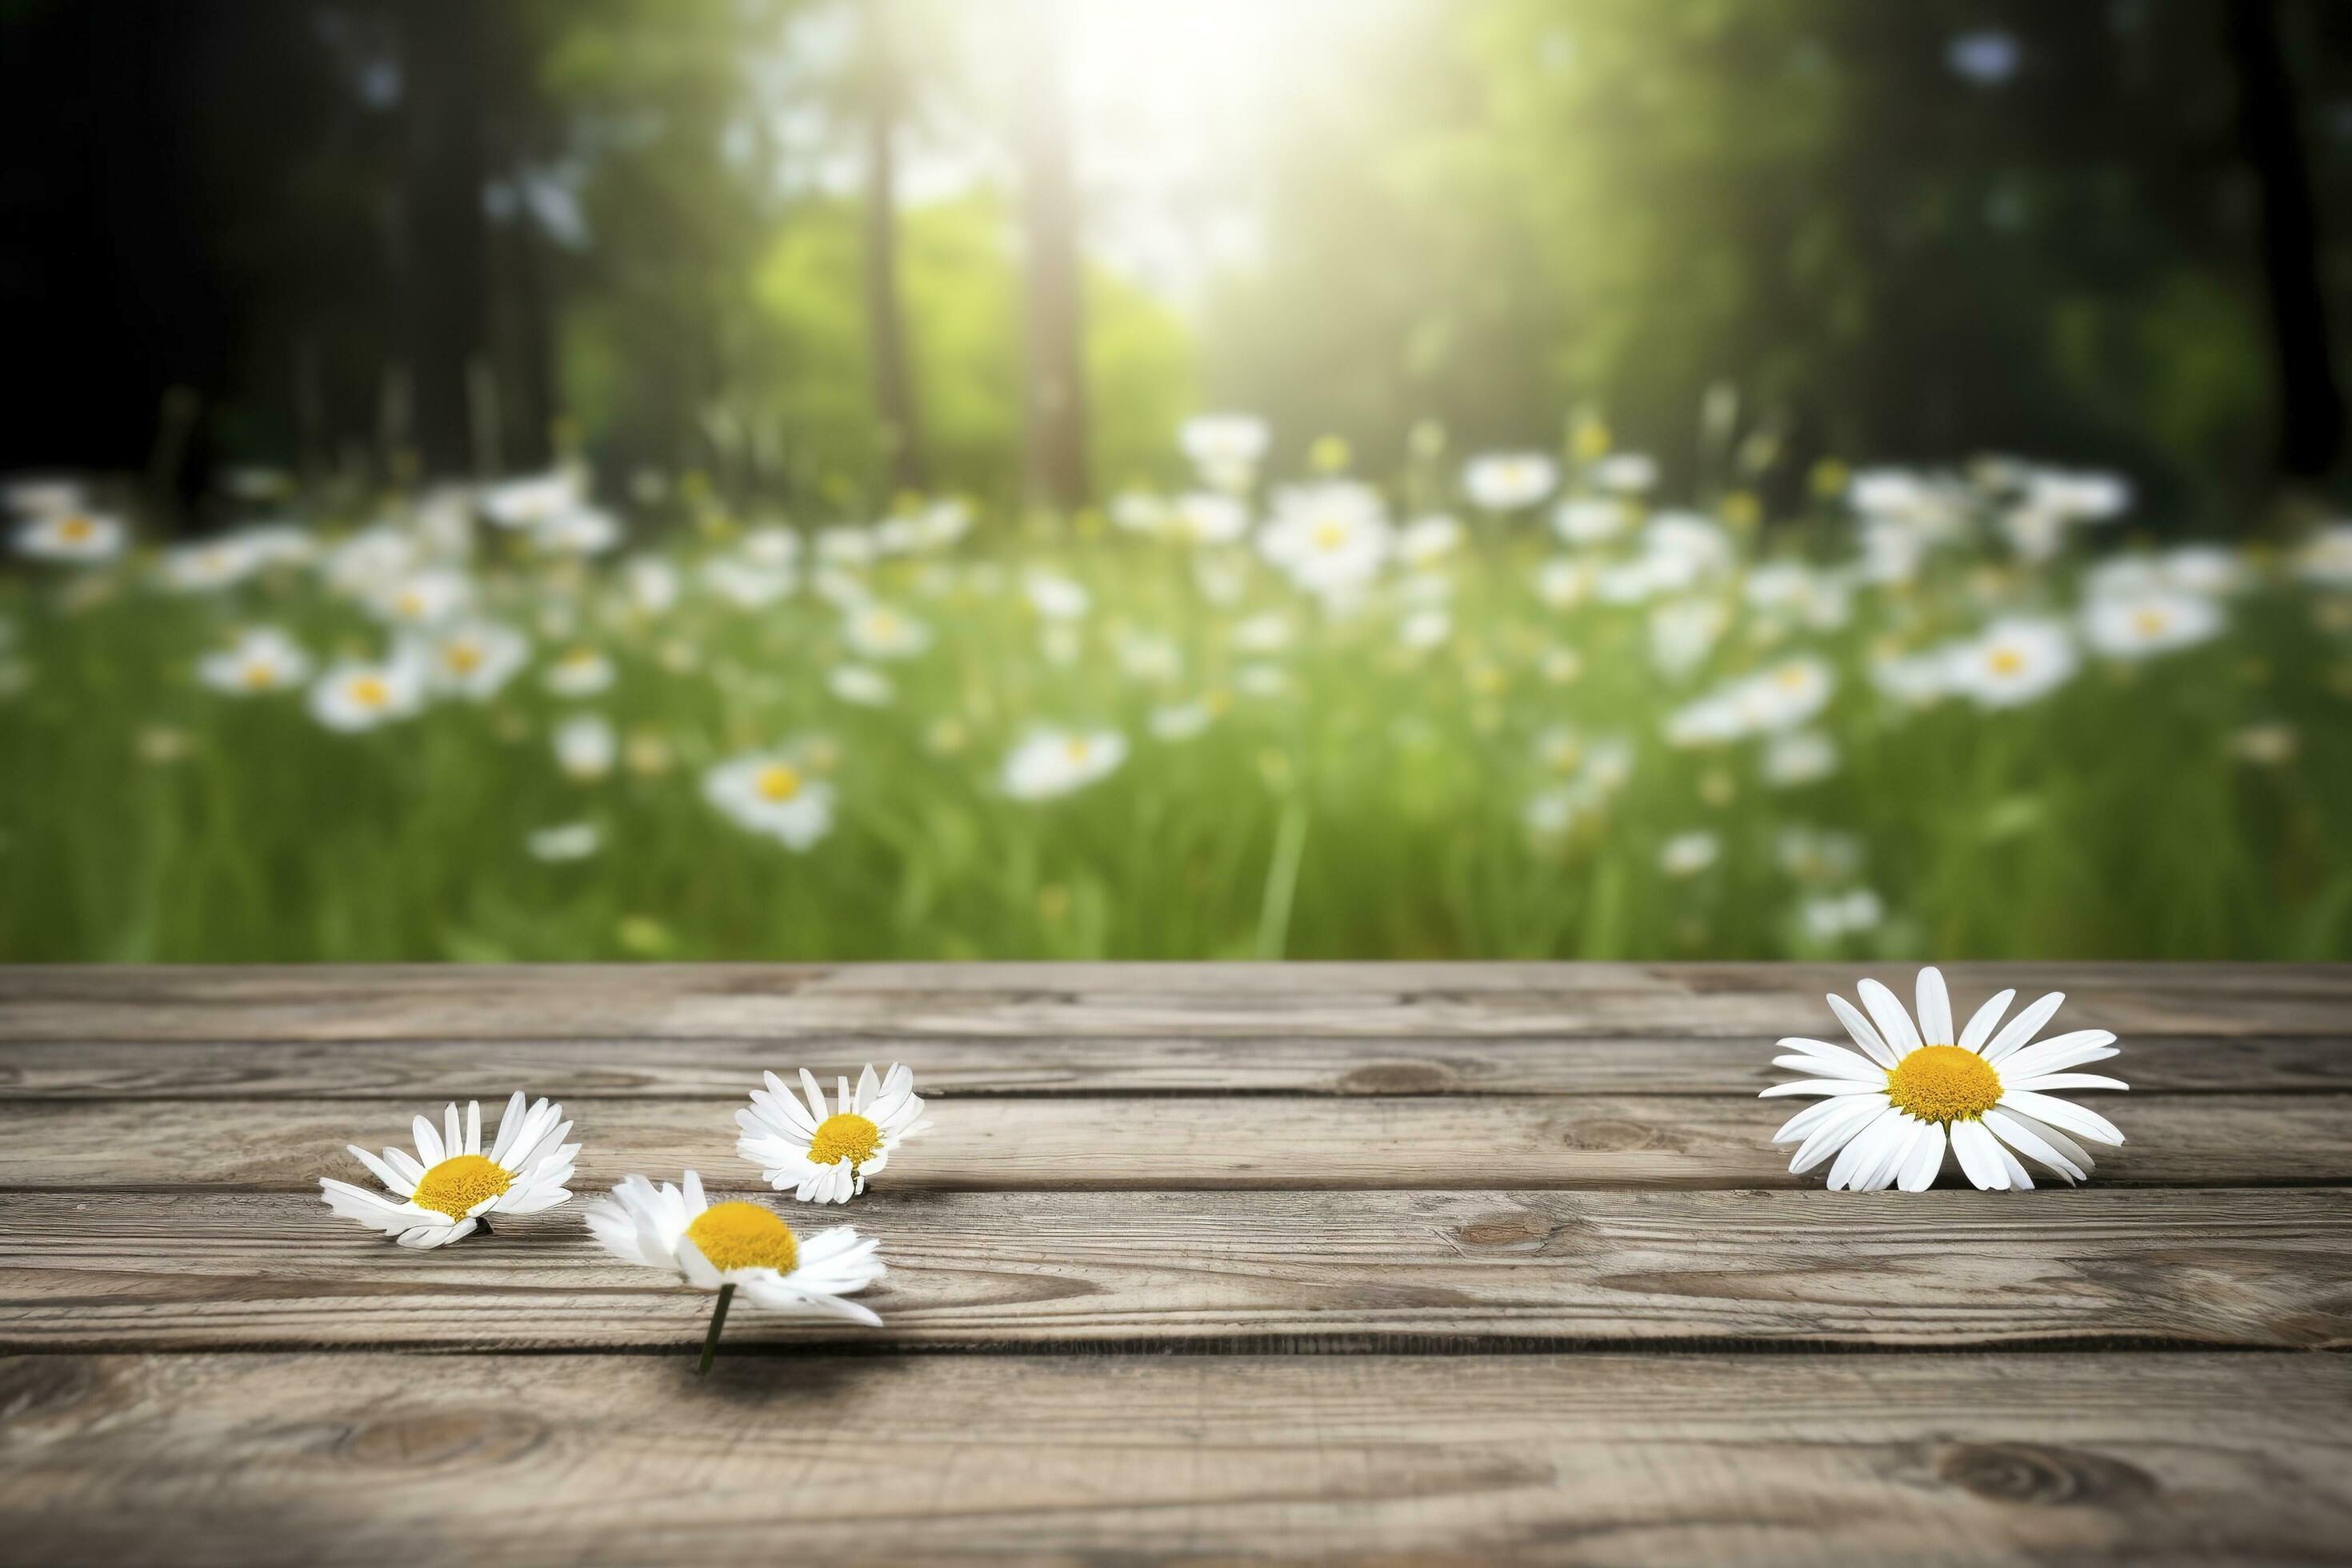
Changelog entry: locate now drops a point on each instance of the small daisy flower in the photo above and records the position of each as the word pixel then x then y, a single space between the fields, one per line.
pixel 1203 517
pixel 424 598
pixel 1889 1112
pixel 729 1245
pixel 566 841
pixel 880 631
pixel 772 793
pixel 449 1186
pixel 580 672
pixel 583 530
pixel 353 697
pixel 1056 762
pixel 71 534
pixel 826 1158
pixel 1507 481
pixel 208 567
pixel 2139 626
pixel 2013 663
pixel 473 659
pixel 585 746
pixel 263 658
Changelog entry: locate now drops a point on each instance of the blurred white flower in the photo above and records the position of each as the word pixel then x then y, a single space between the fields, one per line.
pixel 1266 633
pixel 529 502
pixel 263 658
pixel 1683 633
pixel 1328 538
pixel 1053 761
pixel 1425 629
pixel 1427 540
pixel 1149 657
pixel 423 598
pixel 355 696
pixel 2139 625
pixel 1548 812
pixel 2085 496
pixel 1205 517
pixel 744 584
pixel 2015 662
pixel 1626 473
pixel 846 545
pixel 1913 680
pixel 71 535
pixel 472 659
pixel 208 567
pixel 1817 854
pixel 1180 721
pixel 861 684
pixel 882 631
pixel 770 547
pixel 1261 680
pixel 652 583
pixel 567 841
pixel 1591 520
pixel 270 544
pixel 1805 756
pixel 1562 582
pixel 45 495
pixel 1507 481
pixel 1054 596
pixel 580 672
pixel 1828 919
pixel 1139 511
pixel 585 746
pixel 770 793
pixel 581 530
pixel 370 562
pixel 1225 448
pixel 1689 854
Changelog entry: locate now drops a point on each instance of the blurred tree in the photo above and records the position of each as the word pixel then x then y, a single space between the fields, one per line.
pixel 1052 384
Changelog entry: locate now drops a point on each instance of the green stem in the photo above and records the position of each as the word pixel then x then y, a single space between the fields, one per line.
pixel 718 1321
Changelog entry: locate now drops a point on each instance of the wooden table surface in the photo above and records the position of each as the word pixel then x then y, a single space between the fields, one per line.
pixel 1405 1262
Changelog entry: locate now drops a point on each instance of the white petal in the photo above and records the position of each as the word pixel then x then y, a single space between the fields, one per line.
pixel 2012 1131
pixel 1834 1060
pixel 869 1088
pixel 509 1125
pixel 1926 1158
pixel 2020 1181
pixel 1934 1007
pixel 1982 1025
pixel 1831 1135
pixel 2075 1153
pixel 473 1127
pixel 2063 1113
pixel 1978 1157
pixel 382 1172
pixel 428 1142
pixel 453 1132
pixel 1823 1086
pixel 1863 1035
pixel 2059 1052
pixel 1895 1025
pixel 1860 1155
pixel 815 1095
pixel 2049 1081
pixel 2023 1027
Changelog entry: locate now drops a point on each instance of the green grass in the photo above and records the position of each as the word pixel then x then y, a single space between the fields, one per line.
pixel 1374 808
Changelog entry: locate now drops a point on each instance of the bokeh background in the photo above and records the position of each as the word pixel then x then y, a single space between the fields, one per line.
pixel 569 479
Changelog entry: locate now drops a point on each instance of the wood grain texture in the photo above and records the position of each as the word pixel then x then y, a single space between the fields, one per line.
pixel 668 1069
pixel 1341 1271
pixel 1411 1141
pixel 1965 1458
pixel 909 1002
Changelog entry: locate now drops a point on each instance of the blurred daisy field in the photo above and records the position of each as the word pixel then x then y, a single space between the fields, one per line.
pixel 1548 703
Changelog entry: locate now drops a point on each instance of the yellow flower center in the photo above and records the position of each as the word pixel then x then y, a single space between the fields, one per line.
pixel 2006 661
pixel 1330 535
pixel 462 658
pixel 1944 1083
pixel 846 1134
pixel 456 1185
pixel 258 675
pixel 1075 748
pixel 76 530
pixel 743 1235
pixel 410 605
pixel 369 691
pixel 2148 623
pixel 777 782
pixel 1793 677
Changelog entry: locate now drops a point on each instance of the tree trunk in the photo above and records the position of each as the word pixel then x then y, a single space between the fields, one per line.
pixel 1054 391
pixel 2310 396
pixel 893 387
pixel 443 240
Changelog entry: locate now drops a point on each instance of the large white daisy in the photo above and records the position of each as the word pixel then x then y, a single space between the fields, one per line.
pixel 1888 1111
pixel 449 1186
pixel 732 1245
pixel 826 1157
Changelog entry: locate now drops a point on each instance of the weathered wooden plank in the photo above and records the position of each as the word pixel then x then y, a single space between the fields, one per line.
pixel 1341 1271
pixel 1583 1140
pixel 366 1458
pixel 655 1069
pixel 910 1000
